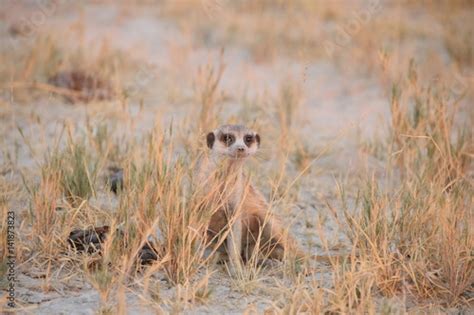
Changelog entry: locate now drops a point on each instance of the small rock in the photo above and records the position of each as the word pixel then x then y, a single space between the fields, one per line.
pixel 147 254
pixel 20 28
pixel 115 178
pixel 89 240
pixel 85 87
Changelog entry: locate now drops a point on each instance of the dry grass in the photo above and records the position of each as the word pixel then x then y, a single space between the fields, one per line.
pixel 407 225
pixel 414 235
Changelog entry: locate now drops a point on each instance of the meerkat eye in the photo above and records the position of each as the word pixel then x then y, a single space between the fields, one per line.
pixel 248 139
pixel 228 139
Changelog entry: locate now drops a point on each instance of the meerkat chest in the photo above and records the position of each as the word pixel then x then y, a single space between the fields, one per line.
pixel 231 192
pixel 225 183
pixel 236 194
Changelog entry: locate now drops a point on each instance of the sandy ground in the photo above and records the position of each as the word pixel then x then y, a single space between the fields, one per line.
pixel 338 110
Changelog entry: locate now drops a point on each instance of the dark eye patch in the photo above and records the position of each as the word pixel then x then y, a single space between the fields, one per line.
pixel 227 139
pixel 249 139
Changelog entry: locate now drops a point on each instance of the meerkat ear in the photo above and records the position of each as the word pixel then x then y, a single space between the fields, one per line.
pixel 210 139
pixel 257 137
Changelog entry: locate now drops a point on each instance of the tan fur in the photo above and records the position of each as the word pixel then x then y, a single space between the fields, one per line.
pixel 238 202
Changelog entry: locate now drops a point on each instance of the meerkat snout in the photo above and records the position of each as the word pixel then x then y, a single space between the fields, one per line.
pixel 234 141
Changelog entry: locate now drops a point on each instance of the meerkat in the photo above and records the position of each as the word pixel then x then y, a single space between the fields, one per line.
pixel 242 213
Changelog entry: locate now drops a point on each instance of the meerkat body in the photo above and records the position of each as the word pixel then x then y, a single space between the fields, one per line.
pixel 241 212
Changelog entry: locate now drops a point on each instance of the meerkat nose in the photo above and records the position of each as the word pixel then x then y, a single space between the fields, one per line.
pixel 240 148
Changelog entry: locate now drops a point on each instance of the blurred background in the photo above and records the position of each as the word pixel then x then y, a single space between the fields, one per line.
pixel 340 57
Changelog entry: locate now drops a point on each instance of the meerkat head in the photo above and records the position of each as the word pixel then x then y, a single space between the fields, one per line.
pixel 234 141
